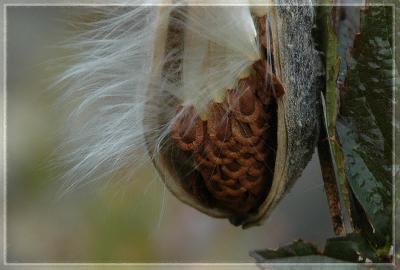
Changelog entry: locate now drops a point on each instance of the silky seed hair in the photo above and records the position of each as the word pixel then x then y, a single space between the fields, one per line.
pixel 105 89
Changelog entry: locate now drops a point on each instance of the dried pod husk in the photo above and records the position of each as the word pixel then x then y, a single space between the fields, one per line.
pixel 237 157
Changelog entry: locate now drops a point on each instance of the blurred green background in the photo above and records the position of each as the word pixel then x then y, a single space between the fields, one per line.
pixel 136 221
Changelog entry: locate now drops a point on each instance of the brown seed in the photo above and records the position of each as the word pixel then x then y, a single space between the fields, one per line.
pixel 230 154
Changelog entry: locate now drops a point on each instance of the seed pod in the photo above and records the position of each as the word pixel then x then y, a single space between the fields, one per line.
pixel 234 153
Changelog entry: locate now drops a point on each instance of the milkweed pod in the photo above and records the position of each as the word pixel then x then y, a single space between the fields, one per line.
pixel 237 90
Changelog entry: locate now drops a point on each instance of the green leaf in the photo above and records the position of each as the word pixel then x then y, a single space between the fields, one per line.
pixel 297 248
pixel 296 259
pixel 364 124
pixel 297 252
pixel 352 248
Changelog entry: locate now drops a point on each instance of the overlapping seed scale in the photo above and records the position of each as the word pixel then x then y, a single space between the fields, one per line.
pixel 229 148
